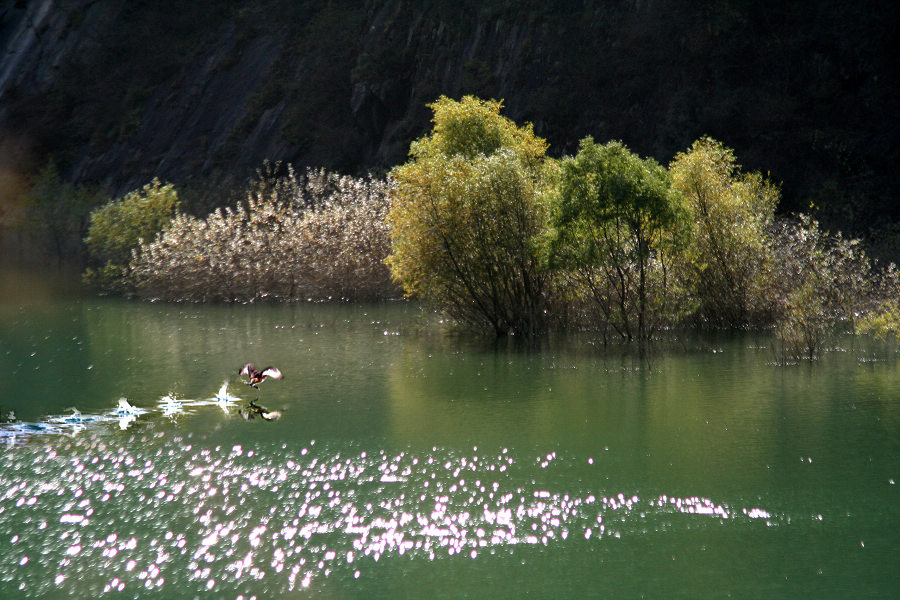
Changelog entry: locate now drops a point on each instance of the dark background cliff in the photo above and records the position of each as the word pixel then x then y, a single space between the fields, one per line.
pixel 200 93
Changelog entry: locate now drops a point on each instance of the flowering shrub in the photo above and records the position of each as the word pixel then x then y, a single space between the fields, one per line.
pixel 314 236
pixel 819 281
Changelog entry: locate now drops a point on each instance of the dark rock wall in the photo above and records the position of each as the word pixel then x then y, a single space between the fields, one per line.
pixel 119 91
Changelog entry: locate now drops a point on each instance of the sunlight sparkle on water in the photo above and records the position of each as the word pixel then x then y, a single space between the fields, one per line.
pixel 157 515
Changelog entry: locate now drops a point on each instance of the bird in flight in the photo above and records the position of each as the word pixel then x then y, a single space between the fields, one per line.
pixel 256 376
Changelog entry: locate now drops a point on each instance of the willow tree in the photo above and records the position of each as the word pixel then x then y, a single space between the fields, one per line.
pixel 467 216
pixel 730 258
pixel 617 222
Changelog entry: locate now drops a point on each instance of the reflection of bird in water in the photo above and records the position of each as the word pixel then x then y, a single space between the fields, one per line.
pixel 255 376
pixel 254 410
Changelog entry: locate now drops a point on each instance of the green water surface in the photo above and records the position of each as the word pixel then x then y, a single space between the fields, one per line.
pixel 413 463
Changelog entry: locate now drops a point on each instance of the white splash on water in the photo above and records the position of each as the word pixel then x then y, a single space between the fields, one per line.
pixel 170 405
pixel 223 400
pixel 126 408
pixel 124 414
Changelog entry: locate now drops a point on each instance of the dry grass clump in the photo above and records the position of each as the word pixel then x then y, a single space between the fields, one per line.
pixel 296 237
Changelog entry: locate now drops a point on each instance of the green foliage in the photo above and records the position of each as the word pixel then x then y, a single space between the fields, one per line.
pixel 59 211
pixel 617 223
pixel 467 217
pixel 120 226
pixel 880 315
pixel 730 255
pixel 480 224
pixel 472 126
pixel 882 322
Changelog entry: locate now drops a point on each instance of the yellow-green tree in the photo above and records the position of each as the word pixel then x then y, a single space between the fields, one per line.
pixel 120 226
pixel 467 217
pixel 729 261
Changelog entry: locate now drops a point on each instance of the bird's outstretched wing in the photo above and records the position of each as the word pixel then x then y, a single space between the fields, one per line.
pixel 272 372
pixel 246 369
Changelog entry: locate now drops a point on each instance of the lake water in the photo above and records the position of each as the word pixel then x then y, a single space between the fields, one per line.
pixel 413 463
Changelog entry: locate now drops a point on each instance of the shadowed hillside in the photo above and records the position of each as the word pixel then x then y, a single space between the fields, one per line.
pixel 200 93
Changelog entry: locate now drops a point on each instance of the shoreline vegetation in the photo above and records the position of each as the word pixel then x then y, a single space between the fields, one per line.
pixel 481 225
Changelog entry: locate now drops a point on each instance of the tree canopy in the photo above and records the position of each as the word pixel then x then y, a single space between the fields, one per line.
pixel 731 250
pixel 616 217
pixel 120 226
pixel 467 216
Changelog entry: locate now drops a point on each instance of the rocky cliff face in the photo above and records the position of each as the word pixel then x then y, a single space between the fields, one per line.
pixel 119 91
